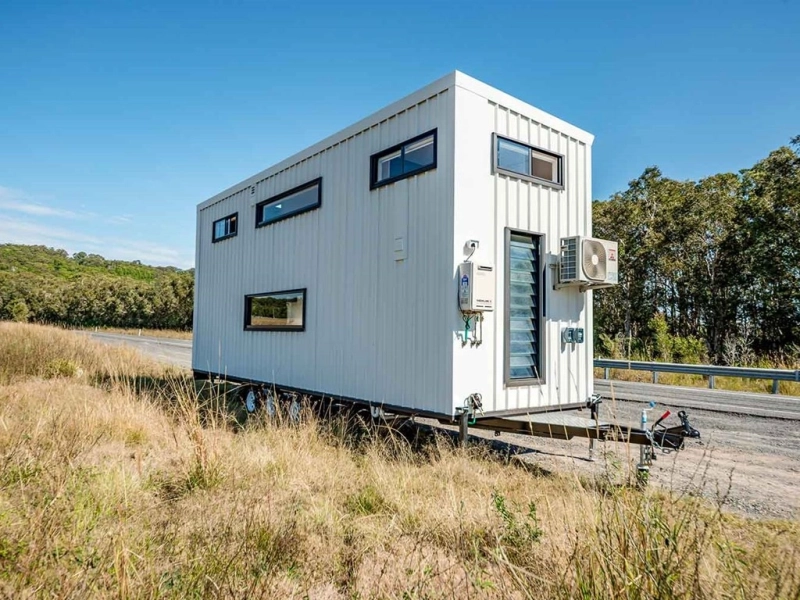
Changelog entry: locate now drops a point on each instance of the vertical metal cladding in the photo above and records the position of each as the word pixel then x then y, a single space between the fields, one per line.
pixel 556 213
pixel 488 204
pixel 376 328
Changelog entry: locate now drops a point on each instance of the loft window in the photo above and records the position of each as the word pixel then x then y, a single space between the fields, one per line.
pixel 527 162
pixel 225 228
pixel 523 308
pixel 412 157
pixel 275 311
pixel 288 204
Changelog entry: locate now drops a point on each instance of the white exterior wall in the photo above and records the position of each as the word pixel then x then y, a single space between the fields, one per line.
pixel 376 328
pixel 383 330
pixel 485 205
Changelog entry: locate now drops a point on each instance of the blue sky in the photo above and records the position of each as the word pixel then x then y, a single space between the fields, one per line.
pixel 117 118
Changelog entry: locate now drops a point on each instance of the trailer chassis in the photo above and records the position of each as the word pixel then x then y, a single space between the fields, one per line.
pixel 557 424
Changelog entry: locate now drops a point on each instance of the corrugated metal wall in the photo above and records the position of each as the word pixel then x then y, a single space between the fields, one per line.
pixel 486 204
pixel 376 328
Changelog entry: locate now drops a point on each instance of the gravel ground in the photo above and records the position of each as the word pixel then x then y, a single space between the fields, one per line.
pixel 752 464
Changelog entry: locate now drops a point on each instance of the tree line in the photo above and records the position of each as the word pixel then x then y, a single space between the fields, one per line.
pixel 47 285
pixel 709 269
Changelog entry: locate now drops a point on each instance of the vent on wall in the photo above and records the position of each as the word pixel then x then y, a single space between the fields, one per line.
pixel 569 259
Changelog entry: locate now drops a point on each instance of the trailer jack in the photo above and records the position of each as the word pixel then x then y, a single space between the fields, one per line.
pixel 666 439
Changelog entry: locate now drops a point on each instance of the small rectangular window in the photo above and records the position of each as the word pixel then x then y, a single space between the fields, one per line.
pixel 275 311
pixel 523 307
pixel 412 157
pixel 288 204
pixel 527 162
pixel 225 228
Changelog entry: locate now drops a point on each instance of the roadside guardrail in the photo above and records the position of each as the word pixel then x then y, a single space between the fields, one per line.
pixel 710 371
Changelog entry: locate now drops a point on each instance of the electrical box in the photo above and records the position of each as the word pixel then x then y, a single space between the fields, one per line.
pixel 572 335
pixel 475 287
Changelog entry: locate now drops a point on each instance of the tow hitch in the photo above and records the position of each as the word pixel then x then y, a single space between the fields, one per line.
pixel 663 438
pixel 564 425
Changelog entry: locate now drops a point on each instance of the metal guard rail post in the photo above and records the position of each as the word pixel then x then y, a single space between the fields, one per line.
pixel 710 371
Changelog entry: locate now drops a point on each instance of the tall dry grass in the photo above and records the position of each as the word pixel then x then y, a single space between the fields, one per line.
pixel 118 480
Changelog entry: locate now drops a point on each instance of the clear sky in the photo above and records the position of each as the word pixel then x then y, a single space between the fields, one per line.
pixel 117 118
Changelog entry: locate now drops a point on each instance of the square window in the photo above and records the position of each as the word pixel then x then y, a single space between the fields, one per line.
pixel 225 228
pixel 513 157
pixel 418 155
pixel 545 166
pixel 390 166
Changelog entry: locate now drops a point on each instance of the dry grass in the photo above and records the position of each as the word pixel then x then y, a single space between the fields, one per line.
pixel 116 479
pixel 734 384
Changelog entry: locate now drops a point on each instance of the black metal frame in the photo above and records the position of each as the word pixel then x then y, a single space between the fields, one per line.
pixel 373 160
pixel 559 185
pixel 199 374
pixel 248 304
pixel 540 329
pixel 666 438
pixel 210 375
pixel 315 182
pixel 214 238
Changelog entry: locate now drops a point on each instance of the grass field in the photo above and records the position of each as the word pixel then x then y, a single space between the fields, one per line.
pixel 119 480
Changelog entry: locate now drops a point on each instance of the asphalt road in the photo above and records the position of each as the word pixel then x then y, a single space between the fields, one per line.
pixel 172 351
pixel 740 403
pixel 749 456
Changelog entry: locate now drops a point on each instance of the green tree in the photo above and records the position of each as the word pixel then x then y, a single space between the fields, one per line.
pixel 19 310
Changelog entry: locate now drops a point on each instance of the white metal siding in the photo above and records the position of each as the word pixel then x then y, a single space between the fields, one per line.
pixel 486 204
pixel 376 329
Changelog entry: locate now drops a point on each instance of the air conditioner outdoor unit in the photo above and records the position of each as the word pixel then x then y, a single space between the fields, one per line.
pixel 587 262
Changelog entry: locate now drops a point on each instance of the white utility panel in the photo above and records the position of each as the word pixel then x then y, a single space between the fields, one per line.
pixel 475 287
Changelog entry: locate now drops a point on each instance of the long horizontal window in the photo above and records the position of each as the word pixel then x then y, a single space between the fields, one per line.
pixel 275 311
pixel 523 308
pixel 412 157
pixel 528 162
pixel 288 204
pixel 225 227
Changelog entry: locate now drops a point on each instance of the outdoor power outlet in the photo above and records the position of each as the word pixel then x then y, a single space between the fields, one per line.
pixel 571 335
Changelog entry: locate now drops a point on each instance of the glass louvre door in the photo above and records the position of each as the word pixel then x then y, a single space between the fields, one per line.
pixel 523 340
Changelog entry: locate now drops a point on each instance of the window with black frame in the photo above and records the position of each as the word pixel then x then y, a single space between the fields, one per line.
pixel 290 203
pixel 412 157
pixel 527 162
pixel 225 228
pixel 275 311
pixel 523 314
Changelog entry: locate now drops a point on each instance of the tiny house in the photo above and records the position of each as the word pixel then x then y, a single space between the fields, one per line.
pixel 433 257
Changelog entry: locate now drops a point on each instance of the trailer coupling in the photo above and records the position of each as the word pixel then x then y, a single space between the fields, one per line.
pixel 565 426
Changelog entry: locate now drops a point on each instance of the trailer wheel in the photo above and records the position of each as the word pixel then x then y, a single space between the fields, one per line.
pixel 294 411
pixel 270 406
pixel 250 398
